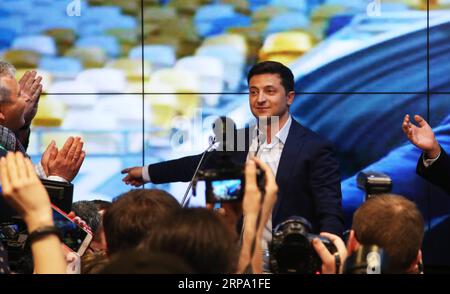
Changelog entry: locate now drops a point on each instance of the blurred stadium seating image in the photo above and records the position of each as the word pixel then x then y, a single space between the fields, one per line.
pixel 141 81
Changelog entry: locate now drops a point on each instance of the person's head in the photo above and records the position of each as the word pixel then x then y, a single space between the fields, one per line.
pixel 102 205
pixel 98 241
pixel 271 87
pixel 199 237
pixel 88 212
pixel 138 262
pixel 393 223
pixel 93 262
pixel 133 215
pixel 12 104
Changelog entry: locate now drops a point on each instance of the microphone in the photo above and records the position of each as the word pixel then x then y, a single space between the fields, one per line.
pixel 261 137
pixel 225 133
pixel 212 141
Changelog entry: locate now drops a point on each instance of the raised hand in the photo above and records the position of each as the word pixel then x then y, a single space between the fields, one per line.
pixel 30 89
pixel 50 152
pixel 421 136
pixel 67 162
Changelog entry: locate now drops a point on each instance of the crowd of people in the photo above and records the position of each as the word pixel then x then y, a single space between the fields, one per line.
pixel 148 231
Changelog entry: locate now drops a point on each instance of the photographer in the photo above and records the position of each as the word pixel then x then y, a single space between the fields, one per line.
pixel 389 221
pixel 24 191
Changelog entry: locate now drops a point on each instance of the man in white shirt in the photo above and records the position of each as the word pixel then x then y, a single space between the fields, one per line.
pixel 306 170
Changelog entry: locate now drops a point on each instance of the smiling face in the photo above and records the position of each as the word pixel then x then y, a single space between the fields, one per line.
pixel 268 97
pixel 12 108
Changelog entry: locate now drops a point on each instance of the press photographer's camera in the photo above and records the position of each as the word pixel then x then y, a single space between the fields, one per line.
pixel 291 250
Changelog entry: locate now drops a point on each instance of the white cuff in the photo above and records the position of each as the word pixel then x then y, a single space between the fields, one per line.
pixel 40 171
pixel 57 179
pixel 429 162
pixel 145 174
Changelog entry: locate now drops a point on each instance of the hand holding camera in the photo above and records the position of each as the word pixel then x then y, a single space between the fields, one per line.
pixel 329 260
pixel 259 198
pixel 294 249
pixel 24 191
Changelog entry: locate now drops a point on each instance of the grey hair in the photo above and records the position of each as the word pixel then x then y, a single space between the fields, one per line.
pixel 7 69
pixel 5 94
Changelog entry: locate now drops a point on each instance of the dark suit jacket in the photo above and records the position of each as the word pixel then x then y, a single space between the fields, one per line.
pixel 438 173
pixel 308 179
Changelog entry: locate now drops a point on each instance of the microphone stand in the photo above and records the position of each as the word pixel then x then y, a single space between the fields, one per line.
pixel 185 200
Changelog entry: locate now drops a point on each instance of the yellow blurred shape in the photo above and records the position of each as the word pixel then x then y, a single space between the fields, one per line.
pixel 132 68
pixel 187 7
pixel 50 113
pixel 233 40
pixel 286 46
pixel 325 12
pixel 254 37
pixel 90 57
pixel 156 14
pixel 163 111
pixel 266 13
pixel 185 85
pixel 22 58
pixel 241 6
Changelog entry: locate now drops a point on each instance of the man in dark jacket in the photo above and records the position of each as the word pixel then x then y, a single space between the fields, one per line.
pixel 303 163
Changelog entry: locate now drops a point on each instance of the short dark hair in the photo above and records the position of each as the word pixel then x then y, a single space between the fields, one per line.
pixel 133 214
pixel 88 212
pixel 199 237
pixel 393 223
pixel 102 204
pixel 137 262
pixel 274 67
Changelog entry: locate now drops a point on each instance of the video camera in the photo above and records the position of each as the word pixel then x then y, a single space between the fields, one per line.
pixel 291 249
